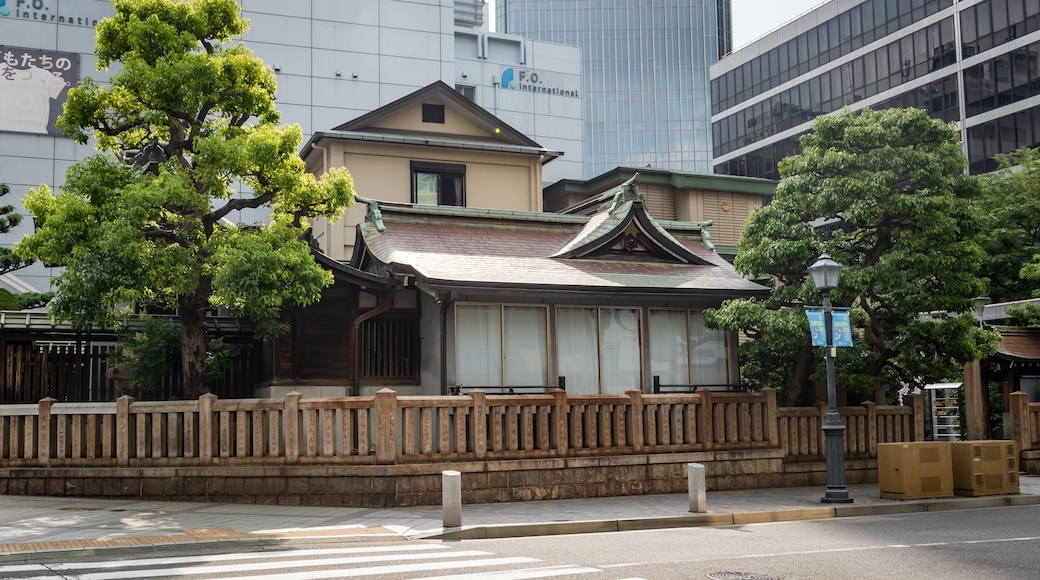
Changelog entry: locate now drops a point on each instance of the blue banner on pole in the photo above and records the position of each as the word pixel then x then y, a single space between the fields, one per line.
pixel 842 328
pixel 817 327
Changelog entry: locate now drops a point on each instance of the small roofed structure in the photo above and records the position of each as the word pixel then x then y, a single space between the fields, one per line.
pixel 519 299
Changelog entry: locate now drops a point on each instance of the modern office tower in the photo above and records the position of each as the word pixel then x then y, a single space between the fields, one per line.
pixel 976 63
pixel 645 67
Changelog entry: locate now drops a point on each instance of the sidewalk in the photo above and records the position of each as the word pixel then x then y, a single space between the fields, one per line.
pixel 38 527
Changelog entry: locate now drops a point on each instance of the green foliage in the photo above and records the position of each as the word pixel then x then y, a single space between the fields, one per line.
pixel 149 348
pixel 130 237
pixel 1027 315
pixel 884 194
pixel 9 261
pixel 27 300
pixel 8 300
pixel 1011 220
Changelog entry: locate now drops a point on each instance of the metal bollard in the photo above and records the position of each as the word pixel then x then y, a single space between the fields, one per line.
pixel 451 499
pixel 698 495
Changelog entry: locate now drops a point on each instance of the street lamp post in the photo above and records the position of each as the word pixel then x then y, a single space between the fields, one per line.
pixel 826 274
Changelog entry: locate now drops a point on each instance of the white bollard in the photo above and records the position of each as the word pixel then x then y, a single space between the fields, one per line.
pixel 451 498
pixel 698 495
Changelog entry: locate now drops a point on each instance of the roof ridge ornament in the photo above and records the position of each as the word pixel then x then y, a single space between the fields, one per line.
pixel 372 215
pixel 627 191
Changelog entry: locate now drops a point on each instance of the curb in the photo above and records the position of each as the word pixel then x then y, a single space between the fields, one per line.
pixel 484 532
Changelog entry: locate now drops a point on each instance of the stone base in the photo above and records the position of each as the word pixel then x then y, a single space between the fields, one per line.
pixel 420 484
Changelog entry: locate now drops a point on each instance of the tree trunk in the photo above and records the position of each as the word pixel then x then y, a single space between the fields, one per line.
pixel 798 391
pixel 193 348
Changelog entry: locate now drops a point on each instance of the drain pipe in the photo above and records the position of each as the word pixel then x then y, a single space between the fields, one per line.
pixel 444 300
pixel 355 332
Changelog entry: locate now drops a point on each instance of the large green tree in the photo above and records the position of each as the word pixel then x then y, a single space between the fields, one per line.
pixel 883 193
pixel 186 117
pixel 1011 216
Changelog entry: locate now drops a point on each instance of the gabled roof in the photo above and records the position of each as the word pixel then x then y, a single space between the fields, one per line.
pixel 496 135
pixel 627 226
pixel 448 249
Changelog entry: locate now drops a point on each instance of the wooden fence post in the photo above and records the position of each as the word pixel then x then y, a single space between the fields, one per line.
pixel 206 435
pixel 635 423
pixel 291 408
pixel 123 429
pixel 560 421
pixel 479 419
pixel 822 418
pixel 872 429
pixel 706 420
pixel 772 418
pixel 1018 406
pixel 917 403
pixel 43 431
pixel 386 426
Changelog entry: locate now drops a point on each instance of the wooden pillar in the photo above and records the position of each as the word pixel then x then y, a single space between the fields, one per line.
pixel 43 431
pixel 974 413
pixel 635 422
pixel 291 408
pixel 917 419
pixel 560 420
pixel 479 420
pixel 123 430
pixel 386 426
pixel 772 418
pixel 206 436
pixel 1018 406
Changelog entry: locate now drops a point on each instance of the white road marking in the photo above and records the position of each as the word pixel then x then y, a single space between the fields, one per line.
pixel 548 572
pixel 184 571
pixel 216 558
pixel 398 569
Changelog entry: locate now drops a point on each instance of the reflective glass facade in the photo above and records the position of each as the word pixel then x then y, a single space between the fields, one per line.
pixel 974 63
pixel 645 66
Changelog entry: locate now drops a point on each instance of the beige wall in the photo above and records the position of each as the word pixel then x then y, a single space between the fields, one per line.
pixel 411 120
pixel 382 171
pixel 727 210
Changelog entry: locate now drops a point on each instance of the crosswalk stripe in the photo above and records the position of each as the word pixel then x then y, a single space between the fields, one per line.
pixel 395 569
pixel 217 558
pixel 548 572
pixel 324 563
pixel 189 570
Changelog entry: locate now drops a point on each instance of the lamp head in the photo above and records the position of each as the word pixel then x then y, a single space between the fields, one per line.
pixel 826 273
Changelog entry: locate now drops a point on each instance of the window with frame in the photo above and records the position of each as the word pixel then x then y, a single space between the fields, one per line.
pixel 432 113
pixel 468 91
pixel 683 351
pixel 598 349
pixel 499 345
pixel 438 183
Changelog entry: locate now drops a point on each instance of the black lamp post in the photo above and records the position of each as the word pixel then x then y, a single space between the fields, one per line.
pixel 826 274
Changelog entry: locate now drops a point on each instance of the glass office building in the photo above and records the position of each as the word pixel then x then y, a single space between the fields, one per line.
pixel 971 62
pixel 645 66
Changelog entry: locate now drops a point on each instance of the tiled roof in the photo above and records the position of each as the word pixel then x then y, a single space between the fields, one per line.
pixel 515 249
pixel 1022 344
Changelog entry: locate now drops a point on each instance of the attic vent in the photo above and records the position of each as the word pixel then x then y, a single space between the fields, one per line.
pixel 432 113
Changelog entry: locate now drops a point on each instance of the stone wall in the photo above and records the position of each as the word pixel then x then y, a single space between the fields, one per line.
pixel 420 483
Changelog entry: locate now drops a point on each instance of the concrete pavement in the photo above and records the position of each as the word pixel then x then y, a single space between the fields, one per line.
pixel 43 527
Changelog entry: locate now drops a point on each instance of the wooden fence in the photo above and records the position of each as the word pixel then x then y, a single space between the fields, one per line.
pixel 78 372
pixel 388 429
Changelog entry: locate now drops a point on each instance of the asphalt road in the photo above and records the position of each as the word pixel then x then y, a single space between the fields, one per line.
pixel 970 544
